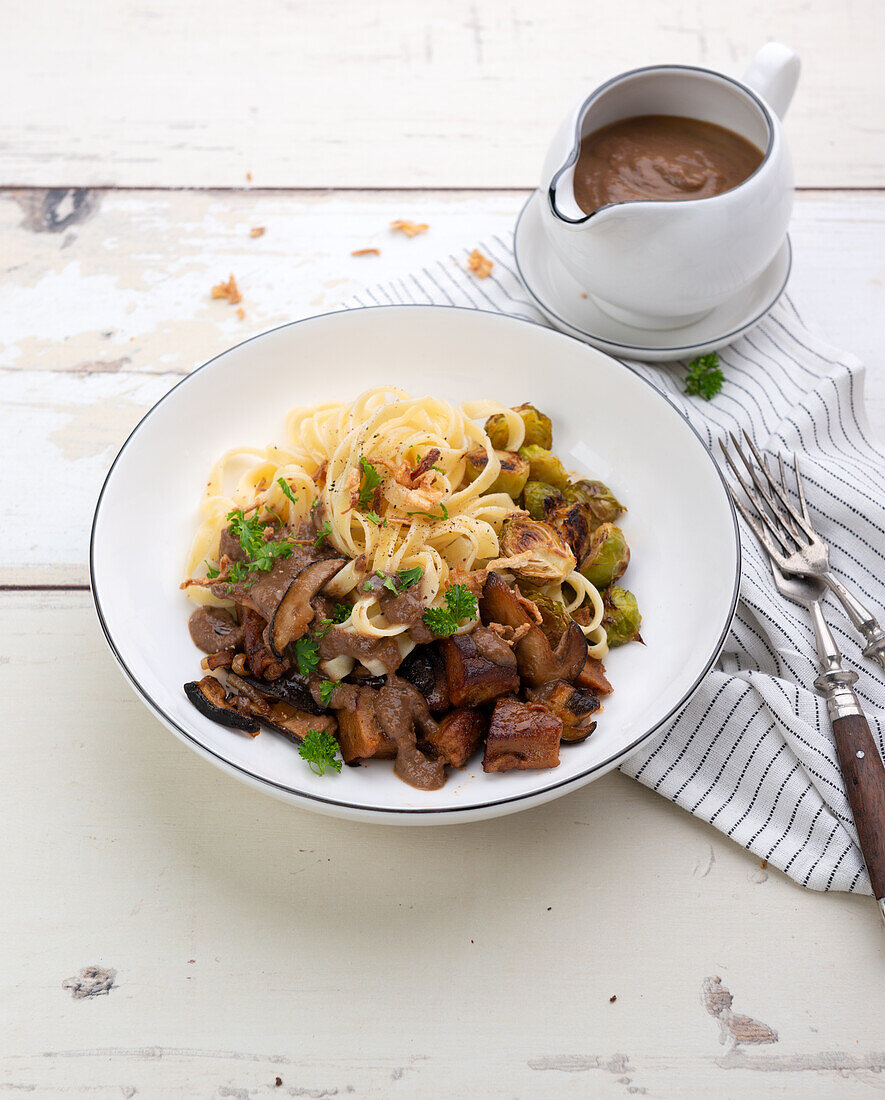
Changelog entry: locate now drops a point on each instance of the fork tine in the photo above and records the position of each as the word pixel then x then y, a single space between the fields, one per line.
pixel 751 496
pixel 774 558
pixel 783 472
pixel 800 491
pixel 806 527
pixel 762 492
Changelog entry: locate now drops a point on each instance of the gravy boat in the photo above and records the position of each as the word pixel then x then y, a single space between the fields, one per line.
pixel 664 264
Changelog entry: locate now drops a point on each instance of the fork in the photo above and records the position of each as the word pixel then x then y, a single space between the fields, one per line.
pixel 792 542
pixel 862 767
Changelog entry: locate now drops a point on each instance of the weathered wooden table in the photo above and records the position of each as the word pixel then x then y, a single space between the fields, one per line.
pixel 583 948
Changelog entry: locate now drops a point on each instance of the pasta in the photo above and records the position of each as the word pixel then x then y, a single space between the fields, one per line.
pixel 437 523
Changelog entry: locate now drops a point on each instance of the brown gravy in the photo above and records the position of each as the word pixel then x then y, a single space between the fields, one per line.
pixel 663 158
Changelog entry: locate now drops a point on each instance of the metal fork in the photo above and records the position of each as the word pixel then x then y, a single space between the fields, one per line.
pixel 859 759
pixel 790 539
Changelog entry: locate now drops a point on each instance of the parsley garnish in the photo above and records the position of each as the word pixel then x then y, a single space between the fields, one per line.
pixel 395 583
pixel 261 553
pixel 405 578
pixel 430 515
pixel 371 479
pixel 284 485
pixel 704 378
pixel 307 655
pixel 322 533
pixel 373 517
pixel 212 572
pixel 341 612
pixel 327 690
pixel 440 621
pixel 320 749
pixel 325 627
pixel 460 604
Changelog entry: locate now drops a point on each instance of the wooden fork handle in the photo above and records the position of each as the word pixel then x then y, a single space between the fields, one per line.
pixel 864 775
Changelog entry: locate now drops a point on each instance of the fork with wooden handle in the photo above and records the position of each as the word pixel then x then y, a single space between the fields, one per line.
pixel 859 759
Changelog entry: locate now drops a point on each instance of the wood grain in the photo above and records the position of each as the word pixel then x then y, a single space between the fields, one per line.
pixel 466 94
pixel 107 304
pixel 864 775
pixel 252 940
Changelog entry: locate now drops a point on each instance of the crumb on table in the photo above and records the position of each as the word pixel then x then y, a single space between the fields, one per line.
pixel 366 252
pixel 228 290
pixel 411 229
pixel 257 231
pixel 241 313
pixel 612 998
pixel 480 265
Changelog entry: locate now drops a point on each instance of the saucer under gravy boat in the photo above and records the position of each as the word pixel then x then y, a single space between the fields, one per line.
pixel 668 263
pixel 569 308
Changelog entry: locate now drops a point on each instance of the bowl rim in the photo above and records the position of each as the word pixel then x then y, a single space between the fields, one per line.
pixel 382 813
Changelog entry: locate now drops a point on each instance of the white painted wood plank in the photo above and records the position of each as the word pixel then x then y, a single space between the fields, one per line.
pixel 251 940
pixel 156 92
pixel 104 315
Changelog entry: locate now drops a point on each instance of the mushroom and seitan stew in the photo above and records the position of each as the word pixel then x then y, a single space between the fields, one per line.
pixel 401 583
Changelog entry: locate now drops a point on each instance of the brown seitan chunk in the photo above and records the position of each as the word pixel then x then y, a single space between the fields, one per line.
pixel 359 734
pixel 460 734
pixel 592 677
pixel 472 678
pixel 521 735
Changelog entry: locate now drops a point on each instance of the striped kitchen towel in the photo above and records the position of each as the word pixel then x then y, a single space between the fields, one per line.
pixel 752 752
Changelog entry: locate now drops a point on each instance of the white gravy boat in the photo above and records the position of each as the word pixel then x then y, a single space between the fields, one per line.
pixel 656 264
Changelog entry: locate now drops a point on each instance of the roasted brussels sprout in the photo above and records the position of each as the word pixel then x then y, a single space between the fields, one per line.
pixel 538 428
pixel 545 466
pixel 601 500
pixel 547 557
pixel 575 522
pixel 621 620
pixel 607 557
pixel 512 478
pixel 536 495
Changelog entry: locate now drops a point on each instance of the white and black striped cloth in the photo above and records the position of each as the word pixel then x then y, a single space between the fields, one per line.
pixel 752 752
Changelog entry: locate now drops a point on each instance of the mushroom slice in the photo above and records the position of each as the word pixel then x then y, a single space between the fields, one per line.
pixel 208 696
pixel 539 662
pixel 294 613
pixel 502 604
pixel 288 689
pixel 572 706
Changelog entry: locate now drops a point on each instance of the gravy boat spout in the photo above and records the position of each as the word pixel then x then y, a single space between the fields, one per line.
pixel 664 264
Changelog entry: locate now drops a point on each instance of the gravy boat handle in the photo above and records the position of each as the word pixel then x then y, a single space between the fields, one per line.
pixel 773 74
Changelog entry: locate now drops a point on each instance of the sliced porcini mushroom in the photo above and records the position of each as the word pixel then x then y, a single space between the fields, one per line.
pixel 294 612
pixel 209 697
pixel 502 604
pixel 295 724
pixel 572 706
pixel 288 689
pixel 539 662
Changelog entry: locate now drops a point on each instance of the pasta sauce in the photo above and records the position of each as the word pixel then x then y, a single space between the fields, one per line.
pixel 661 158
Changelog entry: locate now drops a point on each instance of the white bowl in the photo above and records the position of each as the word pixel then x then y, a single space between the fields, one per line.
pixel 608 423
